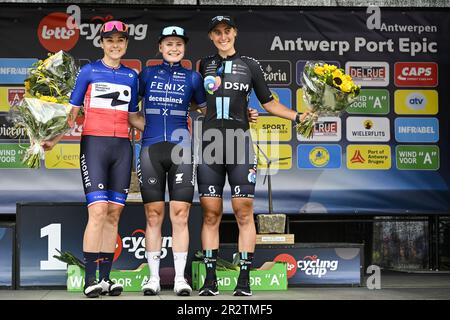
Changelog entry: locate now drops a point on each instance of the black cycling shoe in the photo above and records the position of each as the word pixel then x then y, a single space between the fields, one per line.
pixel 210 288
pixel 110 287
pixel 92 289
pixel 242 288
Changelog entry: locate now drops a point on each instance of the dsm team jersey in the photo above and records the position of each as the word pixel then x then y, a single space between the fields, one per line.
pixel 167 91
pixel 108 95
pixel 227 106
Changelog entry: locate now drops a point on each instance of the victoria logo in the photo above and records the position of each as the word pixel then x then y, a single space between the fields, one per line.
pixel 277 72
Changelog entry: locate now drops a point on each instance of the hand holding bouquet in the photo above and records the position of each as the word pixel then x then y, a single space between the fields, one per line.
pixel 43 112
pixel 327 90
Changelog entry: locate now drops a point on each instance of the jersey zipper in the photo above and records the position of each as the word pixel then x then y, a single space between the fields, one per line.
pixel 167 92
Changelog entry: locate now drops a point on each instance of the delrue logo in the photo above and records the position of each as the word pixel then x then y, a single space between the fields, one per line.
pixel 368 73
pixel 416 74
pixel 135 245
pixel 277 72
pixel 325 129
pixel 310 265
pixel 54 35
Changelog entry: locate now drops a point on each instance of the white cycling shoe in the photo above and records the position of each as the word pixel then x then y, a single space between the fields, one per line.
pixel 181 287
pixel 151 287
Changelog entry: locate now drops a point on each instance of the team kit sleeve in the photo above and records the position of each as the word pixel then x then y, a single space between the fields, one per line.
pixel 133 107
pixel 142 81
pixel 81 85
pixel 259 83
pixel 199 91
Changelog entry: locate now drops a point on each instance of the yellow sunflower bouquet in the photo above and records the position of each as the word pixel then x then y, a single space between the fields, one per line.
pixel 327 90
pixel 44 109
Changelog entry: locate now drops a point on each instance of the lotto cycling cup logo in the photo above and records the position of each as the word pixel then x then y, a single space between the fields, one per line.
pixel 54 35
pixel 211 84
pixel 135 245
pixel 291 263
pixel 310 265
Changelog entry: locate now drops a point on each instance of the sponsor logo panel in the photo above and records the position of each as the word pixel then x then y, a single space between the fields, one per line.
pixel 416 74
pixel 416 102
pixel 269 128
pixel 10 96
pixel 369 157
pixel 15 71
pixel 63 156
pixel 279 154
pixel 319 156
pixel 368 129
pixel 417 157
pixel 277 72
pixel 417 129
pixel 9 132
pixel 368 73
pixel 11 155
pixel 325 129
pixel 371 101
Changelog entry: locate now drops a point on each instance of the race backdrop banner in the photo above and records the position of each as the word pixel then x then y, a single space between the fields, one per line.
pixel 387 154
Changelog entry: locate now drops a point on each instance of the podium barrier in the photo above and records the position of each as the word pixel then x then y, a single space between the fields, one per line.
pixel 44 227
pixel 7 236
pixel 311 263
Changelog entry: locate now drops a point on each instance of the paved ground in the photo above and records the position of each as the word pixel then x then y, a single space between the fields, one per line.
pixel 394 286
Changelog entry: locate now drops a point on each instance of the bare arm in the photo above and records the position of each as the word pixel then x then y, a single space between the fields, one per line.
pixel 277 109
pixel 136 120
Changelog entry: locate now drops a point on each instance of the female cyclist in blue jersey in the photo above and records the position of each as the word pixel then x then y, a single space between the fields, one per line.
pixel 168 90
pixel 227 104
pixel 109 93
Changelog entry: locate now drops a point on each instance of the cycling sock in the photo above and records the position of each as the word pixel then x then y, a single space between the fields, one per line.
pixel 245 262
pixel 153 258
pixel 179 261
pixel 210 263
pixel 90 262
pixel 105 264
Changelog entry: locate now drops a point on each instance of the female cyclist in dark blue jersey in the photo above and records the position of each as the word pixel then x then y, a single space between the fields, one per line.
pixel 109 93
pixel 168 90
pixel 230 78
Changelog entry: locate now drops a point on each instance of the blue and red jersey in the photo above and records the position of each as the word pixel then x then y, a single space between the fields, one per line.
pixel 108 95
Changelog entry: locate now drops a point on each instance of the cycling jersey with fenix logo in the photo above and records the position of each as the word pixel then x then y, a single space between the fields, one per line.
pixel 235 77
pixel 167 91
pixel 108 94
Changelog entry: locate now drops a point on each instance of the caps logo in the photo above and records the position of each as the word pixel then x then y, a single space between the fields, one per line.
pixel 416 74
pixel 54 35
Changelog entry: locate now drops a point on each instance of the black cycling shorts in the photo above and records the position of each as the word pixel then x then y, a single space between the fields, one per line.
pixel 105 164
pixel 156 166
pixel 233 156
